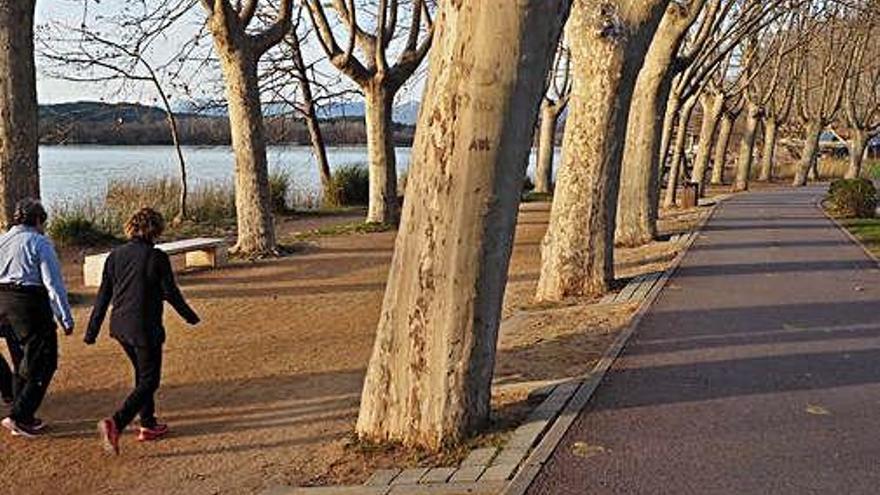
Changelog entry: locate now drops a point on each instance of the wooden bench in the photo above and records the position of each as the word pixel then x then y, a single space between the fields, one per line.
pixel 201 252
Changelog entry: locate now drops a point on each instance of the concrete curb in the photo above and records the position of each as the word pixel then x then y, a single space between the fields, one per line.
pixel 551 440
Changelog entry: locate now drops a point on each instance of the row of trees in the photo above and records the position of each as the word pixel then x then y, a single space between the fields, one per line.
pixel 637 70
pixel 629 72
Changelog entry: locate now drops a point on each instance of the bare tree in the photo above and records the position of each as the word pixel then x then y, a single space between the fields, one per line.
pixel 554 103
pixel 862 96
pixel 762 70
pixel 428 382
pixel 19 169
pixel 302 86
pixel 609 40
pixel 379 80
pixel 736 22
pixel 639 181
pixel 238 51
pixel 722 143
pixel 121 50
pixel 712 101
pixel 823 76
pixel 776 115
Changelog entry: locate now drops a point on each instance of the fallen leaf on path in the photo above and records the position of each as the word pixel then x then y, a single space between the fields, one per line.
pixel 585 450
pixel 817 410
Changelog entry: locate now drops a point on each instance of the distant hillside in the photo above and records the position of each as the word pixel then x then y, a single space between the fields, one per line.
pixel 135 124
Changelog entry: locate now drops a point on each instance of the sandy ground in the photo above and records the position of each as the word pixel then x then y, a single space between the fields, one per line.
pixel 266 390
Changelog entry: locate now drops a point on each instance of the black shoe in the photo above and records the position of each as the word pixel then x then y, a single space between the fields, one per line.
pixel 35 424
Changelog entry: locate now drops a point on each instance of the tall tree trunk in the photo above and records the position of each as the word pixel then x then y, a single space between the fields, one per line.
pixel 713 106
pixel 256 229
pixel 725 131
pixel 637 200
pixel 546 147
pixel 768 157
pixel 608 45
pixel 19 168
pixel 676 168
pixel 319 149
pixel 673 106
pixel 181 163
pixel 383 207
pixel 857 147
pixel 747 148
pixel 428 382
pixel 316 136
pixel 809 156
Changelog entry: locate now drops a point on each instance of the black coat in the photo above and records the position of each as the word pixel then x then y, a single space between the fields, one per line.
pixel 137 280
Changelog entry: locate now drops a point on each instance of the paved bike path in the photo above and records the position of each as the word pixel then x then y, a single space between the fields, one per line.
pixel 757 370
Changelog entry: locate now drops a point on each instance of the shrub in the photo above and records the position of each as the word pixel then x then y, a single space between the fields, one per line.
pixel 852 198
pixel 351 186
pixel 124 197
pixel 279 189
pixel 212 204
pixel 874 170
pixel 80 225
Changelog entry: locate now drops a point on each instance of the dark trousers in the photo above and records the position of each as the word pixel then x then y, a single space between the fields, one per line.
pixel 31 328
pixel 38 364
pixel 7 373
pixel 147 363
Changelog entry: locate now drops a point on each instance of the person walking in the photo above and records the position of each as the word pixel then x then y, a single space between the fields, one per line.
pixel 137 279
pixel 32 296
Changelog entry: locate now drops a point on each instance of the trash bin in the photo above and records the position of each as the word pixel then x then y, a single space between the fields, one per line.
pixel 690 195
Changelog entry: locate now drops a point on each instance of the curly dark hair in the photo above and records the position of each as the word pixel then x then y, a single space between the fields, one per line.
pixel 29 212
pixel 146 224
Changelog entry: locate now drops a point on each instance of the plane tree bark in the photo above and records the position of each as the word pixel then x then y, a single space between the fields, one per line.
pixel 19 167
pixel 428 382
pixel 639 181
pixel 552 106
pixel 239 51
pixel 609 40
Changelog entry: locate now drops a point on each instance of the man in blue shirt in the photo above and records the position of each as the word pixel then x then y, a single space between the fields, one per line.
pixel 32 297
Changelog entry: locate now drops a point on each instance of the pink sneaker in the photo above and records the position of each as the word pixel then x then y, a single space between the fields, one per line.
pixel 109 435
pixel 156 432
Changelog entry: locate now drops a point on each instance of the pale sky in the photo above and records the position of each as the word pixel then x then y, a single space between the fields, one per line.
pixel 71 12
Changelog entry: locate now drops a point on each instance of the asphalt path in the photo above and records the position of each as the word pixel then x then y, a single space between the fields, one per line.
pixel 757 370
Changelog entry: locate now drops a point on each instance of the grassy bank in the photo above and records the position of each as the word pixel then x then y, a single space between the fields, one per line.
pixel 210 207
pixel 866 230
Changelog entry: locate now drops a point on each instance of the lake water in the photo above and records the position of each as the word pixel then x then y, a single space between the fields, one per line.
pixel 83 171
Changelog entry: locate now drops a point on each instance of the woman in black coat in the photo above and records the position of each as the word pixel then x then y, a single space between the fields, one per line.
pixel 137 280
